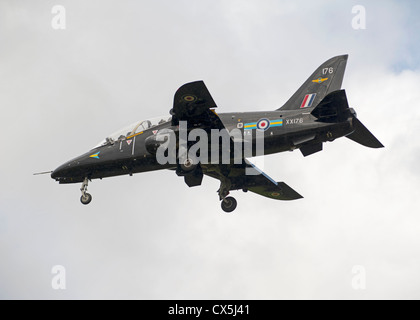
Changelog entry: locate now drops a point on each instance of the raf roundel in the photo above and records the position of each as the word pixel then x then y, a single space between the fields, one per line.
pixel 189 98
pixel 263 124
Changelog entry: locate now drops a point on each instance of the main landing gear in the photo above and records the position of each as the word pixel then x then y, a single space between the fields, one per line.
pixel 86 198
pixel 228 203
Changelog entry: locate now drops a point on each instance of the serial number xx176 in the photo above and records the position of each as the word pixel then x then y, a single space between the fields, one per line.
pixel 294 121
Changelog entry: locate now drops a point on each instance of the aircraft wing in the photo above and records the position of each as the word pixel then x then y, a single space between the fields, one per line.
pixel 251 178
pixel 193 103
pixel 262 184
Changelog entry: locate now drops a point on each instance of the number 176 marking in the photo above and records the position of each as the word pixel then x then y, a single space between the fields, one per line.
pixel 328 70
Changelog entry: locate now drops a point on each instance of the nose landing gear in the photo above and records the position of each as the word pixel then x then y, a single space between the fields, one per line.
pixel 86 198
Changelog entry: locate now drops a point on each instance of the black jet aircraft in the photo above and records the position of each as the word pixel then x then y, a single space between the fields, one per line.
pixel 317 113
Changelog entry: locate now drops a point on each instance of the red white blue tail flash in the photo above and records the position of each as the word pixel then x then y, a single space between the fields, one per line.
pixel 308 100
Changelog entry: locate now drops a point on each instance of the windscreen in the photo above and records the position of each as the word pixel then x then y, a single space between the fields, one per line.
pixel 132 130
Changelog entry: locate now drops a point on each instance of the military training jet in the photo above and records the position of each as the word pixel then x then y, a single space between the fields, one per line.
pixel 194 140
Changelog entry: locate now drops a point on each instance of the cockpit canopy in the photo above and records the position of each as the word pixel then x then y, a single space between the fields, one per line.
pixel 133 130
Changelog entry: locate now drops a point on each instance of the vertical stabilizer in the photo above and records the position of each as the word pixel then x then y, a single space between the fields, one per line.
pixel 326 79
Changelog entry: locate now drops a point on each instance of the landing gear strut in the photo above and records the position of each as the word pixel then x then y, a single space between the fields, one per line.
pixel 228 203
pixel 86 198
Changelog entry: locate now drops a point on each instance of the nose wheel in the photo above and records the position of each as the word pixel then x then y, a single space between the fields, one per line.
pixel 86 198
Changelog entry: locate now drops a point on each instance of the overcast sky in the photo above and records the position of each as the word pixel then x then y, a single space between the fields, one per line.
pixel 151 237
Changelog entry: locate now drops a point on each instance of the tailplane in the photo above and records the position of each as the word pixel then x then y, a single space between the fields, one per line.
pixel 334 108
pixel 363 136
pixel 326 79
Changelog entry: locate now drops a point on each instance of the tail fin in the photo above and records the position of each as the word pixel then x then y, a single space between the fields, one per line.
pixel 327 78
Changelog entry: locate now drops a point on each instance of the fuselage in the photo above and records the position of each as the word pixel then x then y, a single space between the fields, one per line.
pixel 131 153
pixel 196 141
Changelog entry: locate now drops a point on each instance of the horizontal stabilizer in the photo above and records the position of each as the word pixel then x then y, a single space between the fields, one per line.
pixel 363 136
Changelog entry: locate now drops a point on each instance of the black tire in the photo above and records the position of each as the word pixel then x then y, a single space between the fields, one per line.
pixel 229 204
pixel 86 199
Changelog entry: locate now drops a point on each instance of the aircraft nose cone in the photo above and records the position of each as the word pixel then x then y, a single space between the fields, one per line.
pixel 54 174
pixel 61 172
pixel 57 172
pixel 69 172
pixel 74 170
